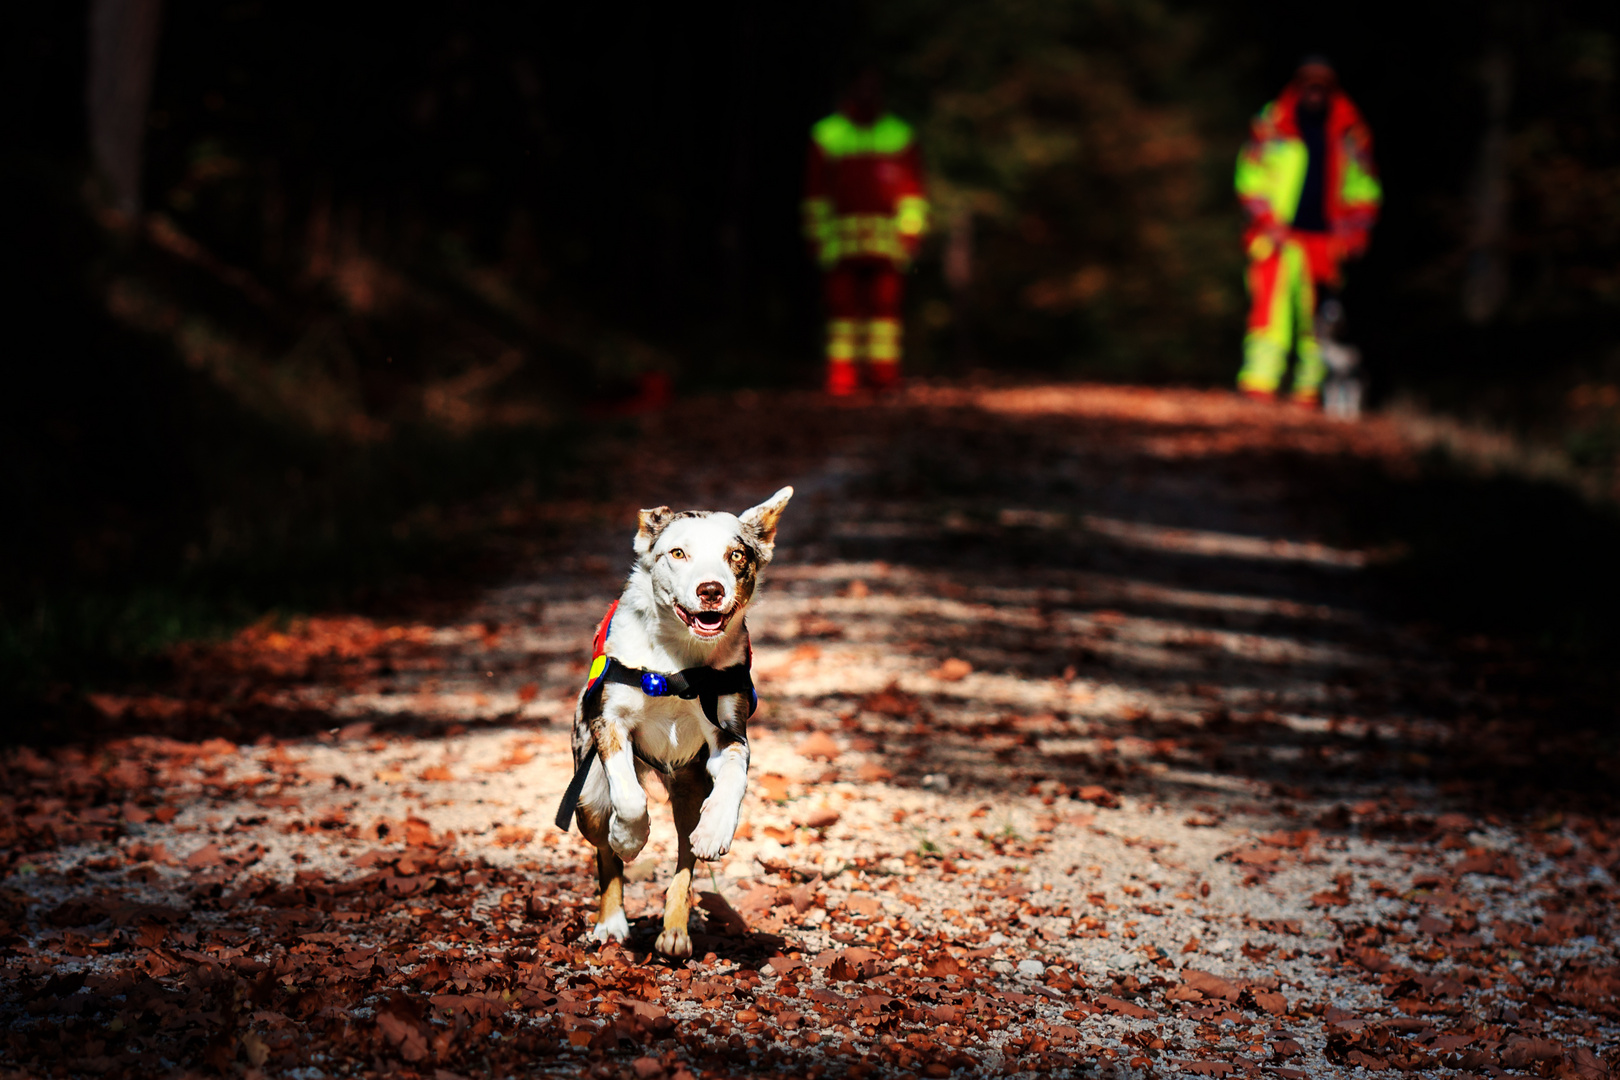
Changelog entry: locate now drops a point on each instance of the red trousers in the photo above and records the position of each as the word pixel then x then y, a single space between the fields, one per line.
pixel 863 323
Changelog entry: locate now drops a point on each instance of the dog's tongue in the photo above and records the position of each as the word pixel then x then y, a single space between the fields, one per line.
pixel 709 618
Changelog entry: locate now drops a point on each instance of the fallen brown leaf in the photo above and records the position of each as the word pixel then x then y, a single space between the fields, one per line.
pixel 819 745
pixel 1212 986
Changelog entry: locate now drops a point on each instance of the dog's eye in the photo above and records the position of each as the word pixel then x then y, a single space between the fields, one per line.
pixel 677 553
pixel 738 557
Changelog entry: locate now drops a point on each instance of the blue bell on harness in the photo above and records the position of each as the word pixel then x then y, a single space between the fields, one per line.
pixel 706 684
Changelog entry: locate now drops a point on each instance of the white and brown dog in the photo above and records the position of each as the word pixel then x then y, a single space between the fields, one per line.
pixel 670 692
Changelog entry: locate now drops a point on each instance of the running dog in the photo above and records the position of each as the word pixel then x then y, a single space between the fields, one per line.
pixel 670 692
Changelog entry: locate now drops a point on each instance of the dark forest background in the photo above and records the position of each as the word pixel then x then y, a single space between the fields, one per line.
pixel 390 261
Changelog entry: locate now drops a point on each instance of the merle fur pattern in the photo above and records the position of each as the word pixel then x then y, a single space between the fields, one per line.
pixel 682 607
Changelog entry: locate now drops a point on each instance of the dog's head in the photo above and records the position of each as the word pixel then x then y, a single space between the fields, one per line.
pixel 704 564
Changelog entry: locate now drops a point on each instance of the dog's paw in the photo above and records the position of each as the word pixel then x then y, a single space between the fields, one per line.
pixel 627 836
pixel 614 928
pixel 676 943
pixel 712 837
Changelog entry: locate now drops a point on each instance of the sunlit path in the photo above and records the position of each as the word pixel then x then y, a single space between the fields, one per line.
pixel 1083 742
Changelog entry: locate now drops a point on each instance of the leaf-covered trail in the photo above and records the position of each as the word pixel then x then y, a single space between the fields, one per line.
pixel 1080 749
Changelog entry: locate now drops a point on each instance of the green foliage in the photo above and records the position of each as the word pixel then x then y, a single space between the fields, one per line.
pixel 1563 162
pixel 1092 154
pixel 385 265
pixel 184 461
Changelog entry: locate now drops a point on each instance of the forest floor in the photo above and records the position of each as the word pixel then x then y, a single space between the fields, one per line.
pixel 1092 742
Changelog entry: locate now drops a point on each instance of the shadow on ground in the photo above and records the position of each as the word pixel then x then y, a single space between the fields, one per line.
pixel 1084 599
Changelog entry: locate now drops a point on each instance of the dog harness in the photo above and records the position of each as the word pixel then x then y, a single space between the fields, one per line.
pixel 706 684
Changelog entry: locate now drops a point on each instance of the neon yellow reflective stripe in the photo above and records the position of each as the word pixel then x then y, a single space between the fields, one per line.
pixel 833 134
pixel 1360 188
pixel 912 215
pixel 1292 300
pixel 820 229
pixel 869 234
pixel 891 135
pixel 883 339
pixel 818 220
pixel 1251 179
pixel 840 339
pixel 1273 173
pixel 839 136
pixel 598 666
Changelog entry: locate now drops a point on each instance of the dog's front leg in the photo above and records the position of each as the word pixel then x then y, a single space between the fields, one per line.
pixel 718 821
pixel 629 823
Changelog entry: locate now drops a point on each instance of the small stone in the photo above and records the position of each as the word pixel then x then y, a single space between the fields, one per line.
pixel 771 852
pixel 1031 969
pixel 997 940
pixel 936 781
pixel 1001 967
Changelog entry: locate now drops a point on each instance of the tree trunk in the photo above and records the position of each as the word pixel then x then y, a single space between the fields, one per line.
pixel 123 46
pixel 959 278
pixel 1485 286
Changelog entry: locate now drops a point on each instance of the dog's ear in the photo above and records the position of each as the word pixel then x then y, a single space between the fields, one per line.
pixel 761 521
pixel 651 523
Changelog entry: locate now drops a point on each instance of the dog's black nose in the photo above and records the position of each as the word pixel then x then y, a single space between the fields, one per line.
pixel 711 593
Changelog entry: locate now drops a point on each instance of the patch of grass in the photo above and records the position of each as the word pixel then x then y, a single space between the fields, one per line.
pixel 275 528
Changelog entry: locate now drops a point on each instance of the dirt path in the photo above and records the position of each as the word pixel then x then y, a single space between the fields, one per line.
pixel 1081 750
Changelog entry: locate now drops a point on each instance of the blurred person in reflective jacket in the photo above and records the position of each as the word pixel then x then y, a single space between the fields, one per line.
pixel 865 212
pixel 1311 192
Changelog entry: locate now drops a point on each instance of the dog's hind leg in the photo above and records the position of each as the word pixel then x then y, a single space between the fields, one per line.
pixel 611 922
pixel 687 789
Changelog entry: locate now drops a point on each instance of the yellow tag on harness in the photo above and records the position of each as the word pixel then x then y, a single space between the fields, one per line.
pixel 598 666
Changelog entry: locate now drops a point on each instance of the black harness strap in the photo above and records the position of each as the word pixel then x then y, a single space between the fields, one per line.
pixel 570 799
pixel 706 684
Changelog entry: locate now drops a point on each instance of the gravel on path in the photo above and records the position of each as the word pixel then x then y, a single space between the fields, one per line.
pixel 1081 748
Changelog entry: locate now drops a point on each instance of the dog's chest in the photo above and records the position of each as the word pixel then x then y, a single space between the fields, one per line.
pixel 671 730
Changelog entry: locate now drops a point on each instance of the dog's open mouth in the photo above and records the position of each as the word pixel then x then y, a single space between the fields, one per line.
pixel 705 624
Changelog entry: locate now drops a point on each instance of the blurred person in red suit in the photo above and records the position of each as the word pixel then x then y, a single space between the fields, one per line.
pixel 865 212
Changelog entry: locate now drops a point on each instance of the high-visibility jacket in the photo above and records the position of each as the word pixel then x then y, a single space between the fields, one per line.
pixel 1271 174
pixel 863 191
